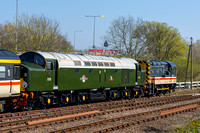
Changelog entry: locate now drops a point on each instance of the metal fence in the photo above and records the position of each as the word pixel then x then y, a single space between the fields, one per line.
pixel 180 85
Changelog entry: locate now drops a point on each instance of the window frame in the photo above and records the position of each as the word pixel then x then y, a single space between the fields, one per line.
pixel 14 73
pixel 51 66
pixel 3 72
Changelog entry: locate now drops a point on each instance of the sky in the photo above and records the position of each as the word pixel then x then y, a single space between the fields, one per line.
pixel 181 14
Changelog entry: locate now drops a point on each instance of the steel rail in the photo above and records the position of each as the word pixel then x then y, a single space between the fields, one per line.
pixel 19 128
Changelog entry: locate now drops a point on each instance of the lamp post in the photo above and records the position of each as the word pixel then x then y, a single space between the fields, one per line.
pixel 16 24
pixel 191 39
pixel 94 27
pixel 75 36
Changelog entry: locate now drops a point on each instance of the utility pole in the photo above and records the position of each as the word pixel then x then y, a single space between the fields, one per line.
pixel 191 39
pixel 187 65
pixel 16 25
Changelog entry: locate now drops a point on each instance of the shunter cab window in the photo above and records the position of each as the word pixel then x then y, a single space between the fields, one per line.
pixel 2 72
pixel 16 72
pixel 174 71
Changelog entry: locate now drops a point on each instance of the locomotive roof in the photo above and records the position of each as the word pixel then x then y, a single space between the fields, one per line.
pixel 4 54
pixel 157 63
pixel 70 60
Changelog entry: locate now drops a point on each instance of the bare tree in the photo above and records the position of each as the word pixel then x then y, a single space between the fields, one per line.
pixel 126 35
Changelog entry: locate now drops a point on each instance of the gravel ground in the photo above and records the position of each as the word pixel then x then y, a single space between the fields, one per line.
pixel 147 127
pixel 162 125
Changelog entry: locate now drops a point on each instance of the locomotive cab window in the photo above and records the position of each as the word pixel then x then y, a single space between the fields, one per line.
pixel 39 60
pixel 33 58
pixel 2 72
pixel 49 65
pixel 174 71
pixel 138 68
pixel 16 72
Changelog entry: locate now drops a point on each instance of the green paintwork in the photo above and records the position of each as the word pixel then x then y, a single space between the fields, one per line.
pixel 68 79
pixel 73 78
pixel 37 78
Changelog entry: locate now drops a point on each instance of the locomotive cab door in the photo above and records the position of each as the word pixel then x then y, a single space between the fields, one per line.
pixel 138 75
pixel 102 77
pixel 5 83
pixel 52 73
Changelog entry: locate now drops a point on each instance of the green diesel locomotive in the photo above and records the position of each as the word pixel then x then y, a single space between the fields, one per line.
pixel 49 78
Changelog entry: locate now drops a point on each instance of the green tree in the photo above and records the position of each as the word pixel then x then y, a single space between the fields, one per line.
pixel 163 42
pixel 34 34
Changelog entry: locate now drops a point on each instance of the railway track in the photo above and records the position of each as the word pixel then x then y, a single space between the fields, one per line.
pixel 34 113
pixel 60 112
pixel 178 109
pixel 94 111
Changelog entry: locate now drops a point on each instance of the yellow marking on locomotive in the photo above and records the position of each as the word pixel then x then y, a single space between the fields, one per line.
pixel 126 93
pixel 115 94
pixel 49 101
pixel 136 92
pixel 17 95
pixel 162 89
pixel 83 98
pixel 1 108
pixel 67 99
pixel 143 65
pixel 21 81
pixel 9 61
pixel 146 66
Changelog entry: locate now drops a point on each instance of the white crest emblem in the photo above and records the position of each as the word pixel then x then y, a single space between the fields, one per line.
pixel 111 78
pixel 83 78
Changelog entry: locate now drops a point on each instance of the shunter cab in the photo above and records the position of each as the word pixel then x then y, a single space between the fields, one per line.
pixel 160 76
pixel 9 76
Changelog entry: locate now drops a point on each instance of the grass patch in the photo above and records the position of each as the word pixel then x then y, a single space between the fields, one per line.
pixel 192 127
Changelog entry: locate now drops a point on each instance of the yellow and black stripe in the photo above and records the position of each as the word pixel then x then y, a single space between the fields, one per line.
pixel 145 65
pixel 147 72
